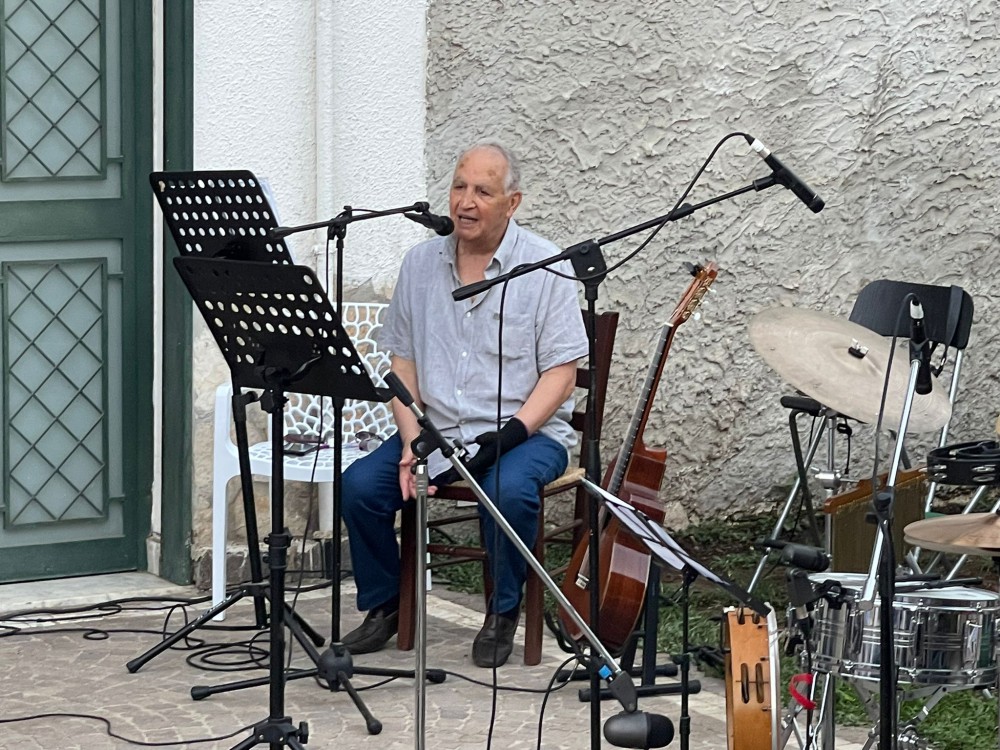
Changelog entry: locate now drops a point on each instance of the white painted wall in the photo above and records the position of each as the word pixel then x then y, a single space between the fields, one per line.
pixel 326 101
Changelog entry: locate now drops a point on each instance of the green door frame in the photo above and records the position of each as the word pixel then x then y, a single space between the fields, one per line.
pixel 176 451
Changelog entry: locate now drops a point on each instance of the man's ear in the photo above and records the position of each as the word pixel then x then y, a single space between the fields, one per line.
pixel 515 201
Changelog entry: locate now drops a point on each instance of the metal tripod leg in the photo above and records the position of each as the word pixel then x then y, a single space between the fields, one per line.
pixel 800 486
pixel 256 590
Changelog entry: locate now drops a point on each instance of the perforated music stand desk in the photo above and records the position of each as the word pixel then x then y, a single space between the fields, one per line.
pixel 276 328
pixel 225 214
pixel 219 214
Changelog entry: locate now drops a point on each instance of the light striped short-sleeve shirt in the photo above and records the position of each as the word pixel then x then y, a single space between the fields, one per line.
pixel 457 346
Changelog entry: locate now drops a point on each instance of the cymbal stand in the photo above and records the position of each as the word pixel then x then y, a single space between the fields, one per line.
pixel 882 573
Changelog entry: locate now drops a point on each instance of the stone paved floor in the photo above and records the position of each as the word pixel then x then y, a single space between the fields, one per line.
pixel 46 671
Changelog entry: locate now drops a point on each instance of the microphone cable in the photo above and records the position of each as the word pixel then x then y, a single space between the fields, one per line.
pixel 656 230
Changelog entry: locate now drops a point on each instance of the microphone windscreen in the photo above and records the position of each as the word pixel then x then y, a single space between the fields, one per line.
pixel 808 558
pixel 638 730
pixel 447 226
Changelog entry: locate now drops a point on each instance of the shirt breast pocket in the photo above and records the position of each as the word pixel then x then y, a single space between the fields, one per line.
pixel 518 338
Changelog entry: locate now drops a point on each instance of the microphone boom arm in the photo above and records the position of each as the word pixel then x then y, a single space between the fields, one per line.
pixel 581 249
pixel 337 223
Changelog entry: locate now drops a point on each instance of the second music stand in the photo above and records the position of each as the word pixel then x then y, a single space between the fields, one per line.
pixel 276 328
pixel 668 552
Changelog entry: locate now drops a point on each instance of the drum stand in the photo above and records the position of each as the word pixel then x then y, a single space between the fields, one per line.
pixel 882 573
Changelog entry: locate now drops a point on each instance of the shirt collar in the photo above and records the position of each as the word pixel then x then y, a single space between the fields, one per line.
pixel 501 258
pixel 499 262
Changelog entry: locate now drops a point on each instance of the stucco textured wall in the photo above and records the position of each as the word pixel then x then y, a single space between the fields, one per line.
pixel 889 109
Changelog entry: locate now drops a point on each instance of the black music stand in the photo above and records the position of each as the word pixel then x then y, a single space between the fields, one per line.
pixel 276 328
pixel 668 552
pixel 225 214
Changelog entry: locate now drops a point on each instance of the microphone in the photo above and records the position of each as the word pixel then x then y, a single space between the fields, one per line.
pixel 639 730
pixel 805 557
pixel 440 224
pixel 787 177
pixel 920 347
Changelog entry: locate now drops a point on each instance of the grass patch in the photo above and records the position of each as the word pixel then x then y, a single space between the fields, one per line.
pixel 963 720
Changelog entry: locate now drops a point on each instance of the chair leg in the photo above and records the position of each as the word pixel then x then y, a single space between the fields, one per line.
pixel 220 520
pixel 534 600
pixel 407 578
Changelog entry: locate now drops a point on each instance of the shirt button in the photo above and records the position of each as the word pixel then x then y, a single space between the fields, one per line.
pixel 465 354
pixel 459 391
pixel 468 314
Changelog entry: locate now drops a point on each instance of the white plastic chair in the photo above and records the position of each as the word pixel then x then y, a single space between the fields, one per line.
pixel 303 416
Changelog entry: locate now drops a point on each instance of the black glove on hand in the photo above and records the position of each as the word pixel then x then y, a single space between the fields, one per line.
pixel 510 436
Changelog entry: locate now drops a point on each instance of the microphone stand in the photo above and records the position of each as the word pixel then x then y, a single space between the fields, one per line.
pixel 619 682
pixel 882 572
pixel 590 268
pixel 337 230
pixel 335 664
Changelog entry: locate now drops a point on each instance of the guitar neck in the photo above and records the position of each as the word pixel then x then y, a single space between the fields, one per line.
pixel 641 414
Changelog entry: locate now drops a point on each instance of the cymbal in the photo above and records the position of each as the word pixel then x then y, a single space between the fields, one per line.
pixel 963 534
pixel 842 365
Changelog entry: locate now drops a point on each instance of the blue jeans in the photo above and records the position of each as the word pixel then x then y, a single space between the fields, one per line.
pixel 370 497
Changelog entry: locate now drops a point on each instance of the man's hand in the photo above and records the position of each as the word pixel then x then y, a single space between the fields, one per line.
pixel 408 476
pixel 510 436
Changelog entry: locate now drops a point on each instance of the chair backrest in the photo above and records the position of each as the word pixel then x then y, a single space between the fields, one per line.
pixel 305 413
pixel 606 325
pixel 947 311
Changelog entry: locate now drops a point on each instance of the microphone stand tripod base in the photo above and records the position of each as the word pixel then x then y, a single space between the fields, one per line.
pixel 277 732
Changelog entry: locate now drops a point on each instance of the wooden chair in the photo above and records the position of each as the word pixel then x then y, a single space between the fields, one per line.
pixel 606 326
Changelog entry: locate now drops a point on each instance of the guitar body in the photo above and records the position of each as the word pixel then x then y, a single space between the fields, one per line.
pixel 635 477
pixel 624 571
pixel 623 560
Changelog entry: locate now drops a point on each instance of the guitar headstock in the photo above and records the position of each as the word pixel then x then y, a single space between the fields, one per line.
pixel 704 276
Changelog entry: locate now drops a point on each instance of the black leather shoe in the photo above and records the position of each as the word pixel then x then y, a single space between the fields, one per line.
pixel 372 634
pixel 494 642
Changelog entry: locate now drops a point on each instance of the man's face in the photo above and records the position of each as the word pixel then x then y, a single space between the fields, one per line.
pixel 478 204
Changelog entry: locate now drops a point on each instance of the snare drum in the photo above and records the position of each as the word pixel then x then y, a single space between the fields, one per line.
pixel 943 636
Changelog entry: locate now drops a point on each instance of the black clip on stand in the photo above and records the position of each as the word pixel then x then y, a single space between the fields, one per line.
pixel 882 571
pixel 224 214
pixel 276 329
pixel 670 553
pixel 619 682
pixel 591 269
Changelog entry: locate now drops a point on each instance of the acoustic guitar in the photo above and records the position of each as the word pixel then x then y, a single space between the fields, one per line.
pixel 635 477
